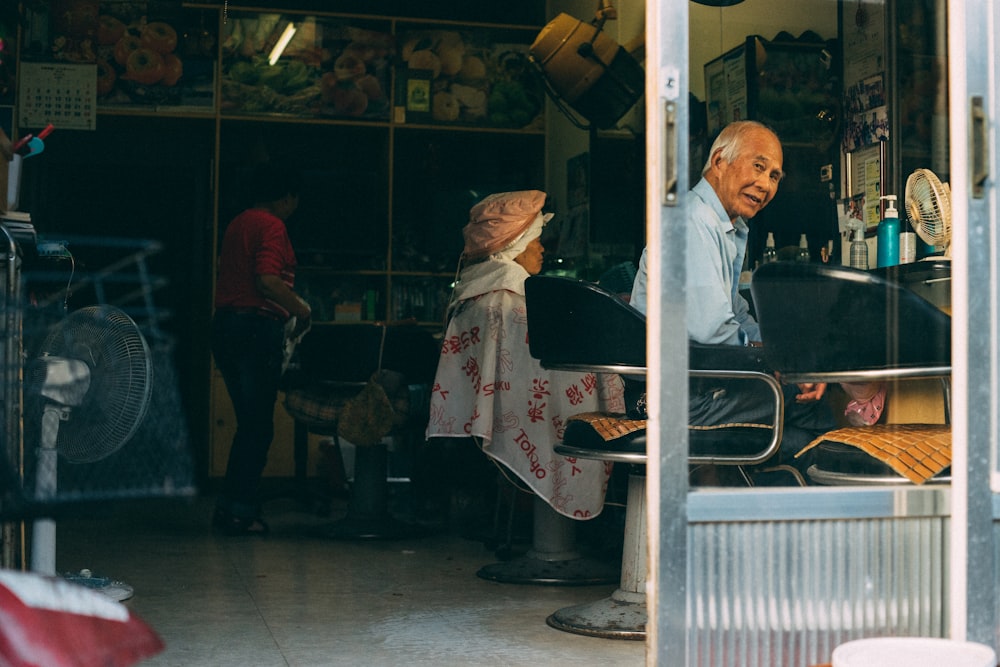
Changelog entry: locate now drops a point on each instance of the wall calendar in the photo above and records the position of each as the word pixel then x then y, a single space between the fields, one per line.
pixel 58 93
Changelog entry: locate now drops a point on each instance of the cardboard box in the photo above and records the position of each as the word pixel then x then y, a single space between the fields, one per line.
pixel 10 183
pixel 4 175
pixel 349 311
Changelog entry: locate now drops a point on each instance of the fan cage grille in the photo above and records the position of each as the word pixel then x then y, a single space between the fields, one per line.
pixel 153 458
pixel 928 204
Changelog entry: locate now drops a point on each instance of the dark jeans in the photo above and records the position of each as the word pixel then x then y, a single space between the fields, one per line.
pixel 718 401
pixel 248 352
pixel 735 401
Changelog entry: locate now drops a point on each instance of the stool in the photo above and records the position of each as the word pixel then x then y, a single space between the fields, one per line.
pixel 623 614
pixel 615 342
pixel 368 514
pixel 333 364
pixel 318 410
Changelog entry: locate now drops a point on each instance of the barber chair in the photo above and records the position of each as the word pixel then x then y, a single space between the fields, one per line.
pixel 334 363
pixel 559 309
pixel 822 323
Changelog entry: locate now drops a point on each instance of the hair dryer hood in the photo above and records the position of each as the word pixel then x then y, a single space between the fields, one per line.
pixel 587 69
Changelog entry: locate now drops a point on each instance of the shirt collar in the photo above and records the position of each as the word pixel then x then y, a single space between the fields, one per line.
pixel 704 190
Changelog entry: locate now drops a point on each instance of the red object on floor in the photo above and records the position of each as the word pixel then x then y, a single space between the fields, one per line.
pixel 51 622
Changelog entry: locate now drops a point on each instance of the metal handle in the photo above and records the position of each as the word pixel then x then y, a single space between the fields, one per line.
pixel 669 195
pixel 979 148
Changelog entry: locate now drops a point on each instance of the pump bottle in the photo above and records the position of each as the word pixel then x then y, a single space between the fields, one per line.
pixel 803 255
pixel 770 253
pixel 888 234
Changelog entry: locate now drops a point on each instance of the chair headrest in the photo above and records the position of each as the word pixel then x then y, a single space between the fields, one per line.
pixel 573 321
pixel 821 318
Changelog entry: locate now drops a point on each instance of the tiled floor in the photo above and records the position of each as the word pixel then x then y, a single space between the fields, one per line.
pixel 295 598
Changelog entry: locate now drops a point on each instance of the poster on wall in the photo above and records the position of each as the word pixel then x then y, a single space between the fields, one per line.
pixel 866 113
pixel 864 179
pixel 864 39
pixel 150 54
pixel 727 96
pixel 866 118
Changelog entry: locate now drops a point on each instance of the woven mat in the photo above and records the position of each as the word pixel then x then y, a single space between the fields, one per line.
pixel 611 426
pixel 915 451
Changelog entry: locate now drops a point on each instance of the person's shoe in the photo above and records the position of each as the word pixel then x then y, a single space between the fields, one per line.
pixel 866 412
pixel 232 525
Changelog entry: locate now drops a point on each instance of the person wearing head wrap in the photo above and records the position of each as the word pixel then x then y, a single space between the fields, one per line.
pixel 487 384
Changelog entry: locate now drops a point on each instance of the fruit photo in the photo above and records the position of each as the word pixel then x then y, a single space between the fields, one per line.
pixel 154 59
pixel 326 68
pixel 476 77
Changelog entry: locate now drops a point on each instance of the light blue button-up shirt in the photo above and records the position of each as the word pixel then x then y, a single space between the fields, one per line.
pixel 716 313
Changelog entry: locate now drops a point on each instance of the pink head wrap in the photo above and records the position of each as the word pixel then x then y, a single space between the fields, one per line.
pixel 499 220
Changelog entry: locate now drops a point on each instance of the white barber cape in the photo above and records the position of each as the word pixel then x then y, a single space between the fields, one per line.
pixel 488 386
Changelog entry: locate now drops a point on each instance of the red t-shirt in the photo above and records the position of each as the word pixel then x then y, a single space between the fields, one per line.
pixel 255 243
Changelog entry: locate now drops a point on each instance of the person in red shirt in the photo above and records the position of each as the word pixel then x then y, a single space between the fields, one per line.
pixel 254 303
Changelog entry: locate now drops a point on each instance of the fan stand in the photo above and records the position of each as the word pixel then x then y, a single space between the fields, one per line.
pixel 43 531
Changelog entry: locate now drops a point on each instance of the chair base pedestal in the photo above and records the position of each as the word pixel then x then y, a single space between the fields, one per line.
pixel 528 570
pixel 622 615
pixel 368 516
pixel 553 559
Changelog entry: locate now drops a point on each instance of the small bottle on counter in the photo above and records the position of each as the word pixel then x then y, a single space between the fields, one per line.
pixel 803 255
pixel 859 249
pixel 770 253
pixel 887 251
pixel 907 243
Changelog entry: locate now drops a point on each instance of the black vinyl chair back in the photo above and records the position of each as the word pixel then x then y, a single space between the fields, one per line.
pixel 577 324
pixel 816 318
pixel 350 352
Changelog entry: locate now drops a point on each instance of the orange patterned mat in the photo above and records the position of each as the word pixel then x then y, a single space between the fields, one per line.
pixel 915 451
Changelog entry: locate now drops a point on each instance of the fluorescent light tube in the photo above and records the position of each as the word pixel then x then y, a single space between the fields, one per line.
pixel 279 48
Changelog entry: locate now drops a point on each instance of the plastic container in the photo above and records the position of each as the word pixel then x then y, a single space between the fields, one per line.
pixel 803 255
pixel 913 652
pixel 887 251
pixel 770 252
pixel 907 247
pixel 859 250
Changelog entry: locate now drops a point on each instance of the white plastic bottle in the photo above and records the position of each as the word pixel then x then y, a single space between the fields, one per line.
pixel 803 255
pixel 770 253
pixel 859 249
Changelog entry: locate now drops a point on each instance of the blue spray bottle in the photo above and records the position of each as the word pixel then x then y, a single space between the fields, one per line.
pixel 887 250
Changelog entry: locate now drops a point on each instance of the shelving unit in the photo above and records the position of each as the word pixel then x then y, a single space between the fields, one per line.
pixel 387 191
pixel 388 183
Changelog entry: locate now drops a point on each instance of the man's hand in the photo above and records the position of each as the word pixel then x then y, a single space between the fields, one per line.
pixel 811 391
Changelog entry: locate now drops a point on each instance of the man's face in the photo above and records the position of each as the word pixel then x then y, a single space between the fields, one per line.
pixel 747 184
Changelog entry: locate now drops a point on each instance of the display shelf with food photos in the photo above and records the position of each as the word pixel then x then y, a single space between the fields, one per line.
pixel 148 56
pixel 478 77
pixel 306 66
pixel 380 114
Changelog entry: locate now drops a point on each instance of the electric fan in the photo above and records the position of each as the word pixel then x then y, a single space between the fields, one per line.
pixel 928 205
pixel 94 377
